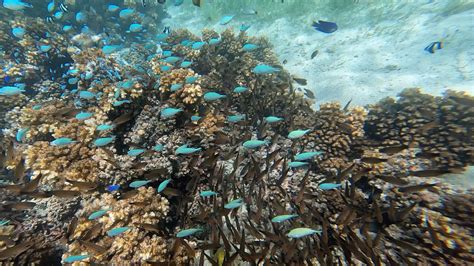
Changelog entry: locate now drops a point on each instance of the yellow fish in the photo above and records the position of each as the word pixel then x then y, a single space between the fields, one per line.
pixel 219 256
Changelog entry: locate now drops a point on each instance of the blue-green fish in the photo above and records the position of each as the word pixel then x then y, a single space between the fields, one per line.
pixel 264 69
pixel 62 142
pixel 170 112
pixel 213 96
pixel 235 118
pixel 172 59
pixel 176 87
pixel 10 91
pixel 84 115
pixel 108 49
pixel 165 68
pixel 240 89
pixel 158 147
pixel 226 19
pixel 195 118
pixel 234 204
pixel 51 6
pixel 72 81
pixel 112 8
pixel 45 48
pixel 127 84
pixel 16 5
pixel 100 142
pixel 126 13
pixel 75 258
pixel 87 95
pixel 244 27
pixel 248 47
pixel 20 135
pixel 283 218
pixel 198 45
pixel 162 186
pixel 97 214
pixel 297 164
pixel 135 27
pixel 184 149
pixel 207 193
pixel 190 80
pixel 135 152
pixel 121 102
pixel 296 134
pixel 186 64
pixel 67 28
pixel 36 107
pixel 4 222
pixel 161 37
pixel 104 127
pixel 307 155
pixel 18 32
pixel 273 119
pixel 301 232
pixel 138 183
pixel 117 231
pixel 188 232
pixel 329 186
pixel 81 17
pixel 58 15
pixel 166 53
pixel 255 143
pixel 214 41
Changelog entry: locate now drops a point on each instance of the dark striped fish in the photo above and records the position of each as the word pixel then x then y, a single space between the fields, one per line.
pixel 63 8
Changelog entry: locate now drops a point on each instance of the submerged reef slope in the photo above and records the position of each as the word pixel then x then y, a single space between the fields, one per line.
pixel 195 150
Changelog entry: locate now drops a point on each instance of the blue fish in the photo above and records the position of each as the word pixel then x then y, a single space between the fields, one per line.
pixel 329 186
pixel 88 75
pixel 118 103
pixel 158 147
pixel 162 186
pixel 45 48
pixel 190 80
pixel 117 231
pixel 234 204
pixel 283 218
pixel 10 91
pixel 165 68
pixel 58 15
pixel 214 41
pixel 195 118
pixel 296 134
pixel 264 69
pixel 187 232
pixel 273 119
pixel 100 142
pixel 198 45
pixel 97 214
pixel 172 59
pixel 108 49
pixel 166 53
pixel 72 81
pixel 4 222
pixel 176 87
pixel 253 144
pixel 302 232
pixel 62 142
pixel 87 95
pixel 127 84
pixel 18 32
pixel 240 89
pixel 235 118
pixel 126 13
pixel 186 64
pixel 67 28
pixel 297 164
pixel 138 183
pixel 112 8
pixel 248 47
pixel 113 188
pixel 21 134
pixel 244 27
pixel 324 26
pixel 81 17
pixel 307 155
pixel 226 19
pixel 51 6
pixel 213 96
pixel 207 193
pixel 16 5
pixel 135 152
pixel 184 149
pixel 75 258
pixel 135 27
pixel 170 112
pixel 84 116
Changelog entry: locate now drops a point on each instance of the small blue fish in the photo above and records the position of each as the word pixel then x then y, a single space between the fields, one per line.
pixel 235 118
pixel 62 142
pixel 170 112
pixel 135 27
pixel 273 119
pixel 324 26
pixel 75 258
pixel 253 144
pixel 100 142
pixel 234 204
pixel 135 152
pixel 58 15
pixel 296 134
pixel 45 48
pixel 18 32
pixel 127 84
pixel 307 155
pixel 138 183
pixel 248 47
pixel 244 28
pixel 172 59
pixel 214 41
pixel 10 91
pixel 88 75
pixel 187 232
pixel 87 95
pixel 4 222
pixel 126 13
pixel 190 80
pixel 84 116
pixel 108 49
pixel 113 188
pixel 283 218
pixel 184 149
pixel 166 53
pixel 226 19
pixel 186 64
pixel 117 231
pixel 302 232
pixel 195 118
pixel 72 81
pixel 162 186
pixel 264 69
pixel 67 28
pixel 297 164
pixel 81 17
pixel 329 186
pixel 213 96
pixel 176 87
pixel 198 45
pixel 97 214
pixel 15 5
pixel 240 89
pixel 118 103
pixel 165 68
pixel 112 8
pixel 21 134
pixel 207 193
pixel 158 147
pixel 51 6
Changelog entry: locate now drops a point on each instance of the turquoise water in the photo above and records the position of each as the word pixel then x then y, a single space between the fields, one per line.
pixel 243 132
